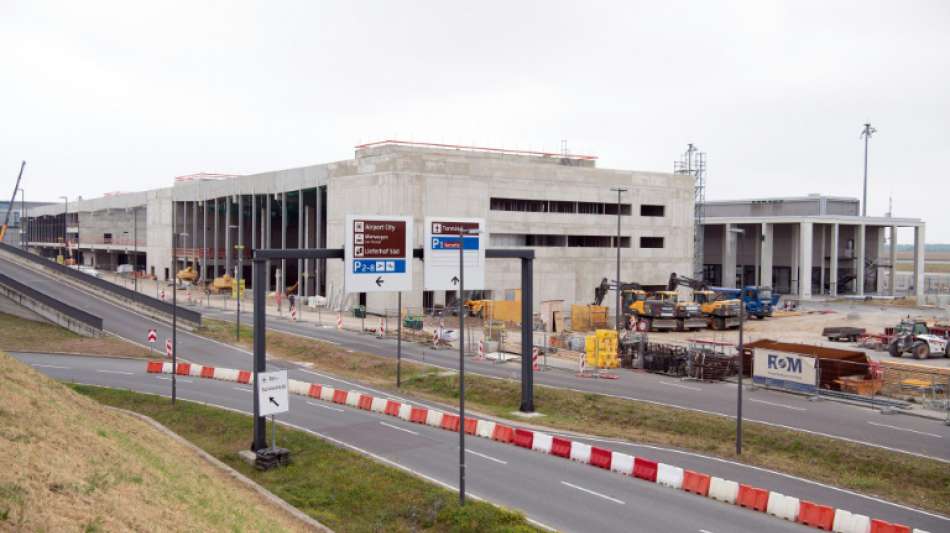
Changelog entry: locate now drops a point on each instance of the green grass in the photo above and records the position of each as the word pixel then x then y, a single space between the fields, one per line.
pixel 902 478
pixel 344 490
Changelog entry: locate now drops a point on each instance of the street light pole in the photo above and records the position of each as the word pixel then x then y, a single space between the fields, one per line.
pixel 866 133
pixel 737 232
pixel 619 311
pixel 135 247
pixel 239 248
pixel 461 305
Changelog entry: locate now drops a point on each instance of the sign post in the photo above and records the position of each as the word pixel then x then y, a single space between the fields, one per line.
pixel 378 254
pixel 272 394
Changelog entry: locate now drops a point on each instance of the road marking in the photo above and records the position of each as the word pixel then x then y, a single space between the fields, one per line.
pixel 177 380
pixel 668 384
pixel 778 405
pixel 49 366
pixel 114 372
pixel 588 491
pixel 327 407
pixel 704 531
pixel 399 428
pixel 905 429
pixel 242 389
pixel 483 456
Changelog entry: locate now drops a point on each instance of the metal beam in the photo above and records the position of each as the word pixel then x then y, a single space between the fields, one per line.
pixel 260 353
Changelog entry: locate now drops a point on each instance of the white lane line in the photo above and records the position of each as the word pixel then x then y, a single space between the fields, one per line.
pixel 483 456
pixel 399 428
pixel 668 384
pixel 773 404
pixel 114 372
pixel 905 429
pixel 242 389
pixel 327 407
pixel 588 491
pixel 704 531
pixel 36 365
pixel 178 380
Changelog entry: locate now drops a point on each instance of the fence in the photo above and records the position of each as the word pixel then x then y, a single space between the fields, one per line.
pixel 116 290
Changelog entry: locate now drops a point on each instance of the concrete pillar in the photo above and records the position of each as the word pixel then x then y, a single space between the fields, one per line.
pixel 860 252
pixel 768 252
pixel 892 274
pixel 821 259
pixel 240 231
pixel 204 240
pixel 283 242
pixel 215 250
pixel 300 241
pixel 267 238
pixel 757 256
pixel 796 266
pixel 320 242
pixel 227 236
pixel 919 262
pixel 306 263
pixel 728 256
pixel 805 247
pixel 833 261
pixel 194 234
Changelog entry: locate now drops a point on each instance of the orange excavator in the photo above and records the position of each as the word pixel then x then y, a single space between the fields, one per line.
pixel 6 222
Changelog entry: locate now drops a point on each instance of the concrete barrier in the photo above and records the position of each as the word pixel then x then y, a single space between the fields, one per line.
pixel 51 309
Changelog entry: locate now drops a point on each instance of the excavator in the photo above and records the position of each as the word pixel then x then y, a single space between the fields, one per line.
pixel 719 313
pixel 6 222
pixel 656 313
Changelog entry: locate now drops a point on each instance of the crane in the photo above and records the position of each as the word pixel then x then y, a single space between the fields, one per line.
pixel 6 222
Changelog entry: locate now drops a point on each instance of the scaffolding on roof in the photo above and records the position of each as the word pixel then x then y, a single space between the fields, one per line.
pixel 693 163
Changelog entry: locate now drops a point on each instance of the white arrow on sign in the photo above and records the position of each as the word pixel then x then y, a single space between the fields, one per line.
pixel 272 390
pixel 152 336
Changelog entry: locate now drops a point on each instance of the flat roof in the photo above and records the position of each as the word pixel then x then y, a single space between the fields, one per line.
pixel 820 219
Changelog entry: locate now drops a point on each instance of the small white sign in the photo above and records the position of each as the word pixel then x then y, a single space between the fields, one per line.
pixel 442 246
pixel 378 253
pixel 272 392
pixel 784 369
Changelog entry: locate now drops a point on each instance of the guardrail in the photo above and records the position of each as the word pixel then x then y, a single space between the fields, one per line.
pixel 155 304
pixel 74 313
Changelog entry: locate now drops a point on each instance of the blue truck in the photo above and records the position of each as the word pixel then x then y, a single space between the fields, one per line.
pixel 759 301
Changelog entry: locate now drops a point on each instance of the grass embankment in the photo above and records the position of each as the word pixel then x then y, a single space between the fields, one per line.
pixel 914 481
pixel 341 488
pixel 70 464
pixel 929 268
pixel 22 335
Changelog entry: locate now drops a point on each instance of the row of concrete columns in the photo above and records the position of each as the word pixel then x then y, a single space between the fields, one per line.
pixel 802 260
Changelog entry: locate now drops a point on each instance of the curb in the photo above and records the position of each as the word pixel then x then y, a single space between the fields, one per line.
pixel 76 354
pixel 730 492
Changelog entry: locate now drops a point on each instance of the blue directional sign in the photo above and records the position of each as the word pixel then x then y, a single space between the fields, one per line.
pixel 446 238
pixel 378 253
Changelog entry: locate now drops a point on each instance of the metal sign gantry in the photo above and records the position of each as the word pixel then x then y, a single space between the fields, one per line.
pixel 259 277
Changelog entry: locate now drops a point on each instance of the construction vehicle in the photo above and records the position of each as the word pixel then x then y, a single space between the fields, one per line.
pixel 915 338
pixel 719 313
pixel 222 284
pixel 688 315
pixel 759 301
pixel 6 222
pixel 188 274
pixel 653 312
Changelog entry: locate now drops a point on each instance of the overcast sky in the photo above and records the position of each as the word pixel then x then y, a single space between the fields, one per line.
pixel 109 96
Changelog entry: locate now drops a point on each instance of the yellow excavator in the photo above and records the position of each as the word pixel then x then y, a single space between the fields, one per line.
pixel 6 222
pixel 720 313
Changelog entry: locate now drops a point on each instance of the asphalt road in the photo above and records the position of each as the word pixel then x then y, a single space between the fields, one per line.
pixel 558 493
pixel 922 436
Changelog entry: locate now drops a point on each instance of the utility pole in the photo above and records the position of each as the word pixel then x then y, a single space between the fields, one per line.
pixel 866 133
pixel 461 304
pixel 619 311
pixel 135 247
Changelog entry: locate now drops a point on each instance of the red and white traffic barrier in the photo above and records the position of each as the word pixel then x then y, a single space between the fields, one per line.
pixel 382 328
pixel 756 499
pixel 293 312
pixel 339 321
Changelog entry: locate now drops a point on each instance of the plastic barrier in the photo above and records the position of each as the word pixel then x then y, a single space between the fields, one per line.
pixel 315 390
pixel 226 374
pixel 449 422
pixel 339 396
pixel 580 452
pixel 207 372
pixel 523 438
pixel 295 386
pixel 378 405
pixel 645 469
pixel 418 415
pixel 880 526
pixel 561 447
pixel 622 463
pixel 542 442
pixel 471 426
pixel 485 429
pixel 848 522
pixel 183 369
pixel 782 506
pixel 434 418
pixel 393 407
pixel 365 403
pixel 600 457
pixel 353 398
pixel 669 476
pixel 244 377
pixel 502 433
pixel 195 371
pixel 154 367
pixel 327 394
pixel 752 498
pixel 814 515
pixel 696 483
pixel 723 490
pixel 405 412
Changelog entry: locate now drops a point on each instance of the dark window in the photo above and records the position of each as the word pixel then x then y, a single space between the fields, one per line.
pixel 651 242
pixel 650 210
pixel 558 206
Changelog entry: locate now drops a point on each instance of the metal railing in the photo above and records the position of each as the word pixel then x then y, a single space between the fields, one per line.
pixel 74 313
pixel 116 290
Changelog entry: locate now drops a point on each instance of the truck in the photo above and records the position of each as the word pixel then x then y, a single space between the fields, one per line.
pixel 759 302
pixel 914 337
pixel 718 312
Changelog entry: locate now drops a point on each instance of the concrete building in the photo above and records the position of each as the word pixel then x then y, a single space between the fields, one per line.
pixel 806 246
pixel 17 219
pixel 561 205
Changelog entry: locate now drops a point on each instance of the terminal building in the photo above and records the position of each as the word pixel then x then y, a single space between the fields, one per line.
pixel 561 205
pixel 806 246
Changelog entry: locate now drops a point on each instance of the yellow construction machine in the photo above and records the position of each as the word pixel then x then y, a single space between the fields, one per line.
pixel 718 312
pixel 188 274
pixel 222 284
pixel 6 222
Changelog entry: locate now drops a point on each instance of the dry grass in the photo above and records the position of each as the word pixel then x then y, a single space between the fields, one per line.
pixel 897 477
pixel 22 335
pixel 70 464
pixel 930 268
